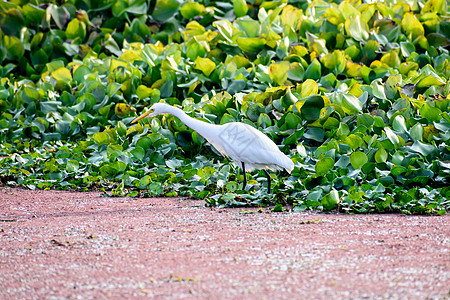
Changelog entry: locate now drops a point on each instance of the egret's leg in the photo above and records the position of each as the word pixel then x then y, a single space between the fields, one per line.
pixel 245 176
pixel 268 181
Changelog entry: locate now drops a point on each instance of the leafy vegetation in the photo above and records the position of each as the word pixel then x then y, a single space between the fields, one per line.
pixel 356 93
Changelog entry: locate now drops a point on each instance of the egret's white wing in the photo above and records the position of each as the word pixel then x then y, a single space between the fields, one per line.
pixel 244 143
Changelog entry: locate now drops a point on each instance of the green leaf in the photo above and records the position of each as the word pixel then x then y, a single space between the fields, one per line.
pixel 324 165
pixel 167 89
pixel 369 51
pixel 192 9
pixel 14 47
pixel 76 30
pixel 264 120
pixel 236 86
pixel 430 80
pixel 144 142
pixel 251 28
pixel 288 99
pixel 330 200
pixel 121 128
pixel 59 14
pixel 145 182
pixel 424 149
pixel 357 28
pixel 407 48
pixel 354 141
pixel 301 150
pixel 430 113
pixel 296 72
pixel 350 104
pixel 108 171
pixel 292 121
pixel 49 106
pixel 102 138
pixel 138 153
pixel 11 21
pixel 225 28
pixel 314 70
pixel 378 90
pixel 335 61
pixel 240 8
pixel 397 170
pixel 164 10
pixel 399 124
pixel 72 166
pixel 143 92
pixel 407 67
pixel 392 137
pixel 416 132
pixel 381 155
pixel 278 208
pixel 358 159
pixel 251 45
pixel 391 58
pixel 79 75
pixel 314 133
pixel 311 108
pixel 352 51
pixel 390 88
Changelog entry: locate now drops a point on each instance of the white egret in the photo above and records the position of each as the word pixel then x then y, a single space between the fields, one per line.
pixel 248 147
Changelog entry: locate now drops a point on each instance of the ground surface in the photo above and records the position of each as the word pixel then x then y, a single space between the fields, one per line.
pixel 56 244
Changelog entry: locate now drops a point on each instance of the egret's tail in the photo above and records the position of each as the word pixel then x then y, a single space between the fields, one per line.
pixel 288 164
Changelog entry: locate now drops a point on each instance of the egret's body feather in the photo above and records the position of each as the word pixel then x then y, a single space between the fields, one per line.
pixel 248 147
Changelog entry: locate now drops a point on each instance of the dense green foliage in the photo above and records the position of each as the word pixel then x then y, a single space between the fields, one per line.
pixel 357 94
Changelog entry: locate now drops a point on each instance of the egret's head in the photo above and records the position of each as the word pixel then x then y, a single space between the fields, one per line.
pixel 155 109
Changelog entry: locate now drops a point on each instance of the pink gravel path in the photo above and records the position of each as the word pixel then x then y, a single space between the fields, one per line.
pixel 58 245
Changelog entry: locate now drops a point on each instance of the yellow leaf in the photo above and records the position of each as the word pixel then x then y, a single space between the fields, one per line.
pixel 278 72
pixel 205 65
pixel 138 127
pixel 438 6
pixel 158 47
pixel 192 87
pixel 239 61
pixel 158 84
pixel 334 16
pixel 117 63
pixel 356 90
pixel 131 55
pixel 411 26
pixel 352 69
pixel 143 92
pixel 62 76
pixel 378 64
pixel 309 87
pixel 290 16
pixel 391 58
pixel 251 45
pixel 123 109
pixel 298 50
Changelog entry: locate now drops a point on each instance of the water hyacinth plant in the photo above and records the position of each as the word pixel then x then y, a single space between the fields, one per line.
pixel 355 93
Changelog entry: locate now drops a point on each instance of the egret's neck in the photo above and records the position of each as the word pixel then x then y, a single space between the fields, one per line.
pixel 207 130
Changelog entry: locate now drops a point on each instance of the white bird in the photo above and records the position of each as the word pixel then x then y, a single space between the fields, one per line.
pixel 248 147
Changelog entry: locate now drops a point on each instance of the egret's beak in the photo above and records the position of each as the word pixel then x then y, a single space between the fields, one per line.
pixel 144 115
